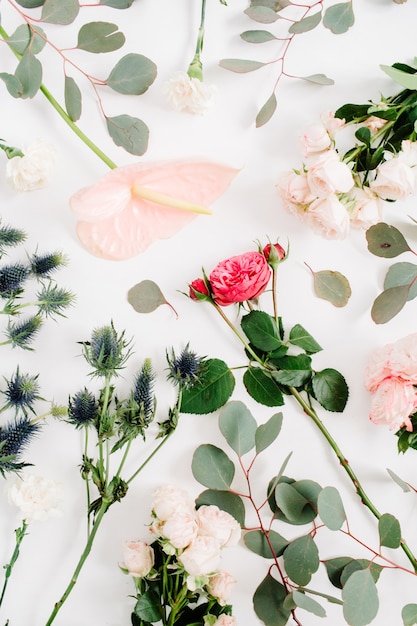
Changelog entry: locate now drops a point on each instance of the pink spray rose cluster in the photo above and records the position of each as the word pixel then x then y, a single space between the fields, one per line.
pixel 182 565
pixel 391 377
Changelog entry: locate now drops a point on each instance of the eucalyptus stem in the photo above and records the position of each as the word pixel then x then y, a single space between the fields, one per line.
pixel 20 533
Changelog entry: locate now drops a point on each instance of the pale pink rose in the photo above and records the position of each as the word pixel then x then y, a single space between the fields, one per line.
pixel 294 189
pixel 138 558
pixel 332 123
pixel 328 174
pixel 403 359
pixel 315 139
pixel 201 557
pixel 392 404
pixel 329 218
pixel 32 170
pixel 213 522
pixel 225 620
pixel 378 367
pixel 180 529
pixel 367 208
pixel 240 278
pixel 220 586
pixel 190 94
pixel 374 123
pixel 168 500
pixel 395 180
pixel 408 153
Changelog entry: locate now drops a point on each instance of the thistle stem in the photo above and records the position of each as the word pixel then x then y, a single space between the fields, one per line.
pixel 20 533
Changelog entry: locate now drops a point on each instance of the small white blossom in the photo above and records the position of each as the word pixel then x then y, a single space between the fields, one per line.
pixel 190 94
pixel 33 169
pixel 37 498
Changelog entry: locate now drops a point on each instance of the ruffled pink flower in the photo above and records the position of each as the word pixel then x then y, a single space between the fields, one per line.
pixel 403 359
pixel 328 174
pixel 378 367
pixel 367 208
pixel 328 217
pixel 392 404
pixel 395 180
pixel 240 278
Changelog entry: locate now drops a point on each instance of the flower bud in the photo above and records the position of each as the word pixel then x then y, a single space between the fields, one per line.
pixel 198 290
pixel 274 254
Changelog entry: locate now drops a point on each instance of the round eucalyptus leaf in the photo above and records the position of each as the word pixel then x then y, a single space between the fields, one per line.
pixel 389 303
pixel 266 111
pixel 133 74
pixel 62 13
pixel 409 614
pixel 389 531
pixel 240 66
pixel 266 433
pixel 257 36
pixel 330 508
pixel 29 73
pixel 360 599
pixel 402 274
pixel 262 14
pixel 332 286
pixel 318 79
pixel 212 467
pixel 339 17
pixel 262 544
pixel 100 37
pixel 73 98
pixel 386 241
pixel 305 24
pixel 25 35
pixel 238 427
pixel 268 602
pixel 129 132
pixel 301 559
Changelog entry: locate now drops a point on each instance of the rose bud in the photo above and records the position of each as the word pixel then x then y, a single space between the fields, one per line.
pixel 274 254
pixel 198 290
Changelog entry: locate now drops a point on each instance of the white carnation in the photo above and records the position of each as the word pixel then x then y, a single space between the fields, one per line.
pixel 190 94
pixel 37 498
pixel 33 169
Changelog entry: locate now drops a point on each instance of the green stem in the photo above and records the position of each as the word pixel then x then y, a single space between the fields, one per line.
pixel 152 454
pixel 195 69
pixel 20 533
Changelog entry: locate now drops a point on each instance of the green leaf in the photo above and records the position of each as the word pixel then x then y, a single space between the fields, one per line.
pixel 211 392
pixel 404 486
pixel 146 297
pixel 332 286
pixel 409 81
pixel 238 427
pixel 330 508
pixel 72 96
pixel 389 531
pixel 262 388
pixel 261 14
pixel 29 73
pixel 129 132
pixel 117 4
pixel 339 17
pixel 409 614
pixel 240 66
pixel 301 559
pixel 318 79
pixel 386 241
pixel 360 599
pixel 303 601
pixel 334 568
pixel 301 338
pixel 60 11
pixel 269 545
pixel 290 501
pixel 267 111
pixel 30 4
pixel 356 565
pixel 266 433
pixel 268 602
pixel 298 500
pixel 212 467
pixel 148 607
pixel 388 304
pixel 25 35
pixel 330 389
pixel 226 501
pixel 257 36
pixel 363 134
pixel 261 330
pixel 100 37
pixel 294 370
pixel 402 274
pixel 132 75
pixel 305 24
pixel 13 84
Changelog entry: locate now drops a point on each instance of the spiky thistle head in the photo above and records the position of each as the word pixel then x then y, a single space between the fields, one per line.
pixel 21 392
pixel 10 237
pixel 185 369
pixel 21 334
pixel 143 391
pixel 14 439
pixel 53 300
pixel 83 409
pixel 44 265
pixel 107 352
pixel 12 278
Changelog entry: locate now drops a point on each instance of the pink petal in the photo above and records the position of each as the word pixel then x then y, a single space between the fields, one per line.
pixel 101 200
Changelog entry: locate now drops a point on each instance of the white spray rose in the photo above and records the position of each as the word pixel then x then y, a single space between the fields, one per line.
pixel 138 558
pixel 220 586
pixel 33 169
pixel 168 500
pixel 213 522
pixel 37 498
pixel 190 94
pixel 201 557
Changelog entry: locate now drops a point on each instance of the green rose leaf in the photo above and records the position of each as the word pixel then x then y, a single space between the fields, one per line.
pixel 293 371
pixel 72 96
pixel 266 433
pixel 262 388
pixel 129 132
pixel 225 500
pixel 389 303
pixel 25 35
pixel 238 427
pixel 132 75
pixel 334 568
pixel 386 241
pixel 212 467
pixel 389 531
pixel 356 565
pixel 267 111
pixel 261 544
pixel 257 36
pixel 29 74
pixel 261 330
pixel 409 614
pixel 332 286
pixel 301 338
pixel 148 607
pixel 318 79
pixel 99 37
pixel 303 601
pixel 60 11
pixel 305 24
pixel 330 389
pixel 117 4
pixel 261 14
pixel 405 79
pixel 404 486
pixel 360 599
pixel 301 559
pixel 330 508
pixel 213 390
pixel 268 602
pixel 402 274
pixel 339 17
pixel 146 297
pixel 13 84
pixel 240 66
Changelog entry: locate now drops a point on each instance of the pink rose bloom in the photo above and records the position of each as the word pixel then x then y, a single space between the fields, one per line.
pixel 169 500
pixel 367 209
pixel 220 586
pixel 395 180
pixel 180 529
pixel 408 153
pixel 240 278
pixel 403 359
pixel 213 522
pixel 315 139
pixel 328 174
pixel 378 368
pixel 329 218
pixel 332 123
pixel 374 123
pixel 138 558
pixel 225 620
pixel 201 557
pixel 294 189
pixel 392 404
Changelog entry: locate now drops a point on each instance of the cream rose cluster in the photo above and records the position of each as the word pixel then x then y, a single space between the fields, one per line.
pixel 391 377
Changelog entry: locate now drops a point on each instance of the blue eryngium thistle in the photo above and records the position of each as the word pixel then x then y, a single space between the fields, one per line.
pixel 12 278
pixel 83 409
pixel 10 237
pixel 52 300
pixel 44 265
pixel 107 351
pixel 143 393
pixel 185 369
pixel 14 438
pixel 21 392
pixel 20 334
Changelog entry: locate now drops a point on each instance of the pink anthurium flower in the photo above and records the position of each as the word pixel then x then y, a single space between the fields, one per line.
pixel 134 205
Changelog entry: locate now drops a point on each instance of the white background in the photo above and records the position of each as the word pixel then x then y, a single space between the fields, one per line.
pixel 165 30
